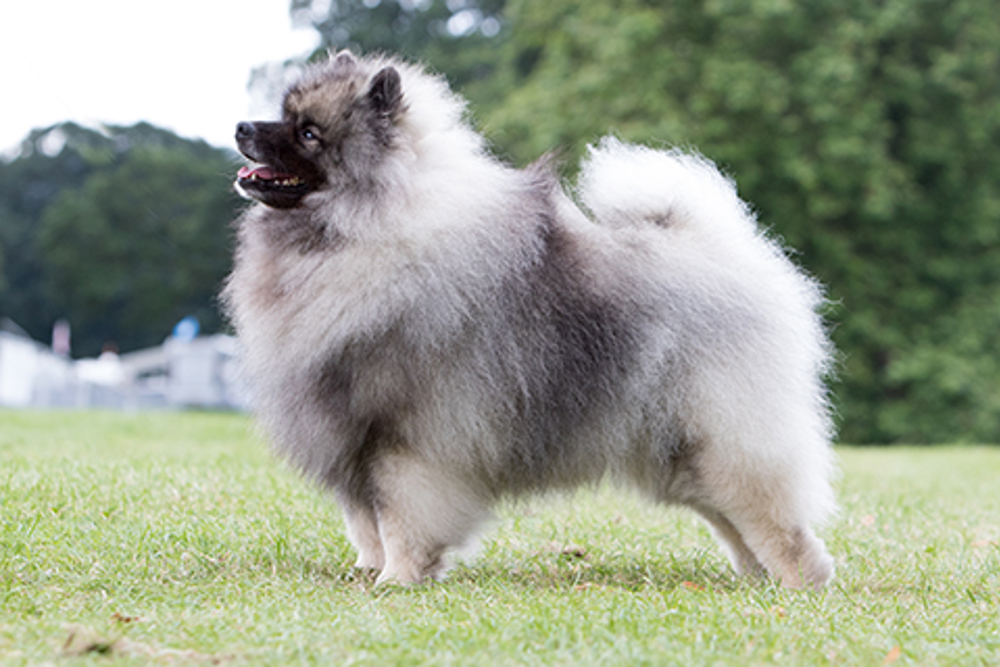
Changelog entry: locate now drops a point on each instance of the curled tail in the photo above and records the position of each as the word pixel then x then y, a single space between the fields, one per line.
pixel 625 184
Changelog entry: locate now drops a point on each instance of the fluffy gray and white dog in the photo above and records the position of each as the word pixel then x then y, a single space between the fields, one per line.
pixel 427 330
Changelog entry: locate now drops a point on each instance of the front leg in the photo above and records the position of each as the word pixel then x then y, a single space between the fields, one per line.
pixel 362 531
pixel 423 512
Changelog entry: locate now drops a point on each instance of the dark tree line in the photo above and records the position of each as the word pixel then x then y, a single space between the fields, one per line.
pixel 123 233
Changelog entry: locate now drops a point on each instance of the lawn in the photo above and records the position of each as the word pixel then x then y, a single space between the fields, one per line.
pixel 176 539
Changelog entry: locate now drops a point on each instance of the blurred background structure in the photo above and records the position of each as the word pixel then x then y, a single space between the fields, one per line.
pixel 865 134
pixel 184 372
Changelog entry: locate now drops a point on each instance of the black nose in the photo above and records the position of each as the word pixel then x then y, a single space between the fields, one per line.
pixel 244 130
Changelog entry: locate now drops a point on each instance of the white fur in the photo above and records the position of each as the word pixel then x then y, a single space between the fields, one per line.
pixel 709 231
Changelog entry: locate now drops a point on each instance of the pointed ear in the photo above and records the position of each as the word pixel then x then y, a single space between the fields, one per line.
pixel 343 60
pixel 386 92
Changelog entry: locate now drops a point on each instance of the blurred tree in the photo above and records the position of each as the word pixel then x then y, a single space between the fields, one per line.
pixel 50 161
pixel 135 240
pixel 455 37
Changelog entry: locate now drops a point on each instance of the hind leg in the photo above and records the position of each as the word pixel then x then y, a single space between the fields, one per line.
pixel 423 512
pixel 791 552
pixel 766 521
pixel 740 555
pixel 760 508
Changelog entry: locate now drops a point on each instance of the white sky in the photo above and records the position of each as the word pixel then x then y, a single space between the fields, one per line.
pixel 181 64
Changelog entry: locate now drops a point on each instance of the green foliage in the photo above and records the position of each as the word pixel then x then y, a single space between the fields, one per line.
pixel 455 37
pixel 28 185
pixel 123 234
pixel 407 27
pixel 174 539
pixel 139 247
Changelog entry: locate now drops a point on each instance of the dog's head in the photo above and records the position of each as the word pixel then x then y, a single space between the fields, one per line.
pixel 337 124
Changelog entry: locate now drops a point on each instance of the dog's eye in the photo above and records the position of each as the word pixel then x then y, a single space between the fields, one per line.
pixel 309 134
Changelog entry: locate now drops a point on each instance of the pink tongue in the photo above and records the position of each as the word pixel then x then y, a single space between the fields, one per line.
pixel 264 173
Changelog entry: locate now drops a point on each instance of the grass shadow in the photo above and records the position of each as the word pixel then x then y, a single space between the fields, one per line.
pixel 578 572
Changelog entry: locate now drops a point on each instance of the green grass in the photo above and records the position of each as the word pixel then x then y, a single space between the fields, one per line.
pixel 176 539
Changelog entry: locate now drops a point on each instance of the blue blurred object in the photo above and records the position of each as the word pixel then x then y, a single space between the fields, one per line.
pixel 187 329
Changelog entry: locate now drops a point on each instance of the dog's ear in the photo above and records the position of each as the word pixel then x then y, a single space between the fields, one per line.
pixel 386 92
pixel 343 61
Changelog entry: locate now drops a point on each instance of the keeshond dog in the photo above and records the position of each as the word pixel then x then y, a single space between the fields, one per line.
pixel 427 330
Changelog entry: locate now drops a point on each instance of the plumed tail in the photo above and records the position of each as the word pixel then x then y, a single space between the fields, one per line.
pixel 624 184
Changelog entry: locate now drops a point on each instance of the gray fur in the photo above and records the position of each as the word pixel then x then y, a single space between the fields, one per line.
pixel 427 330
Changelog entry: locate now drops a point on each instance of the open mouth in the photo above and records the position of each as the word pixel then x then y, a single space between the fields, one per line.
pixel 265 178
pixel 272 187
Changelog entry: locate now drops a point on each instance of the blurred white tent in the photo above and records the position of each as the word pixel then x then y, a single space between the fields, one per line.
pixel 185 372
